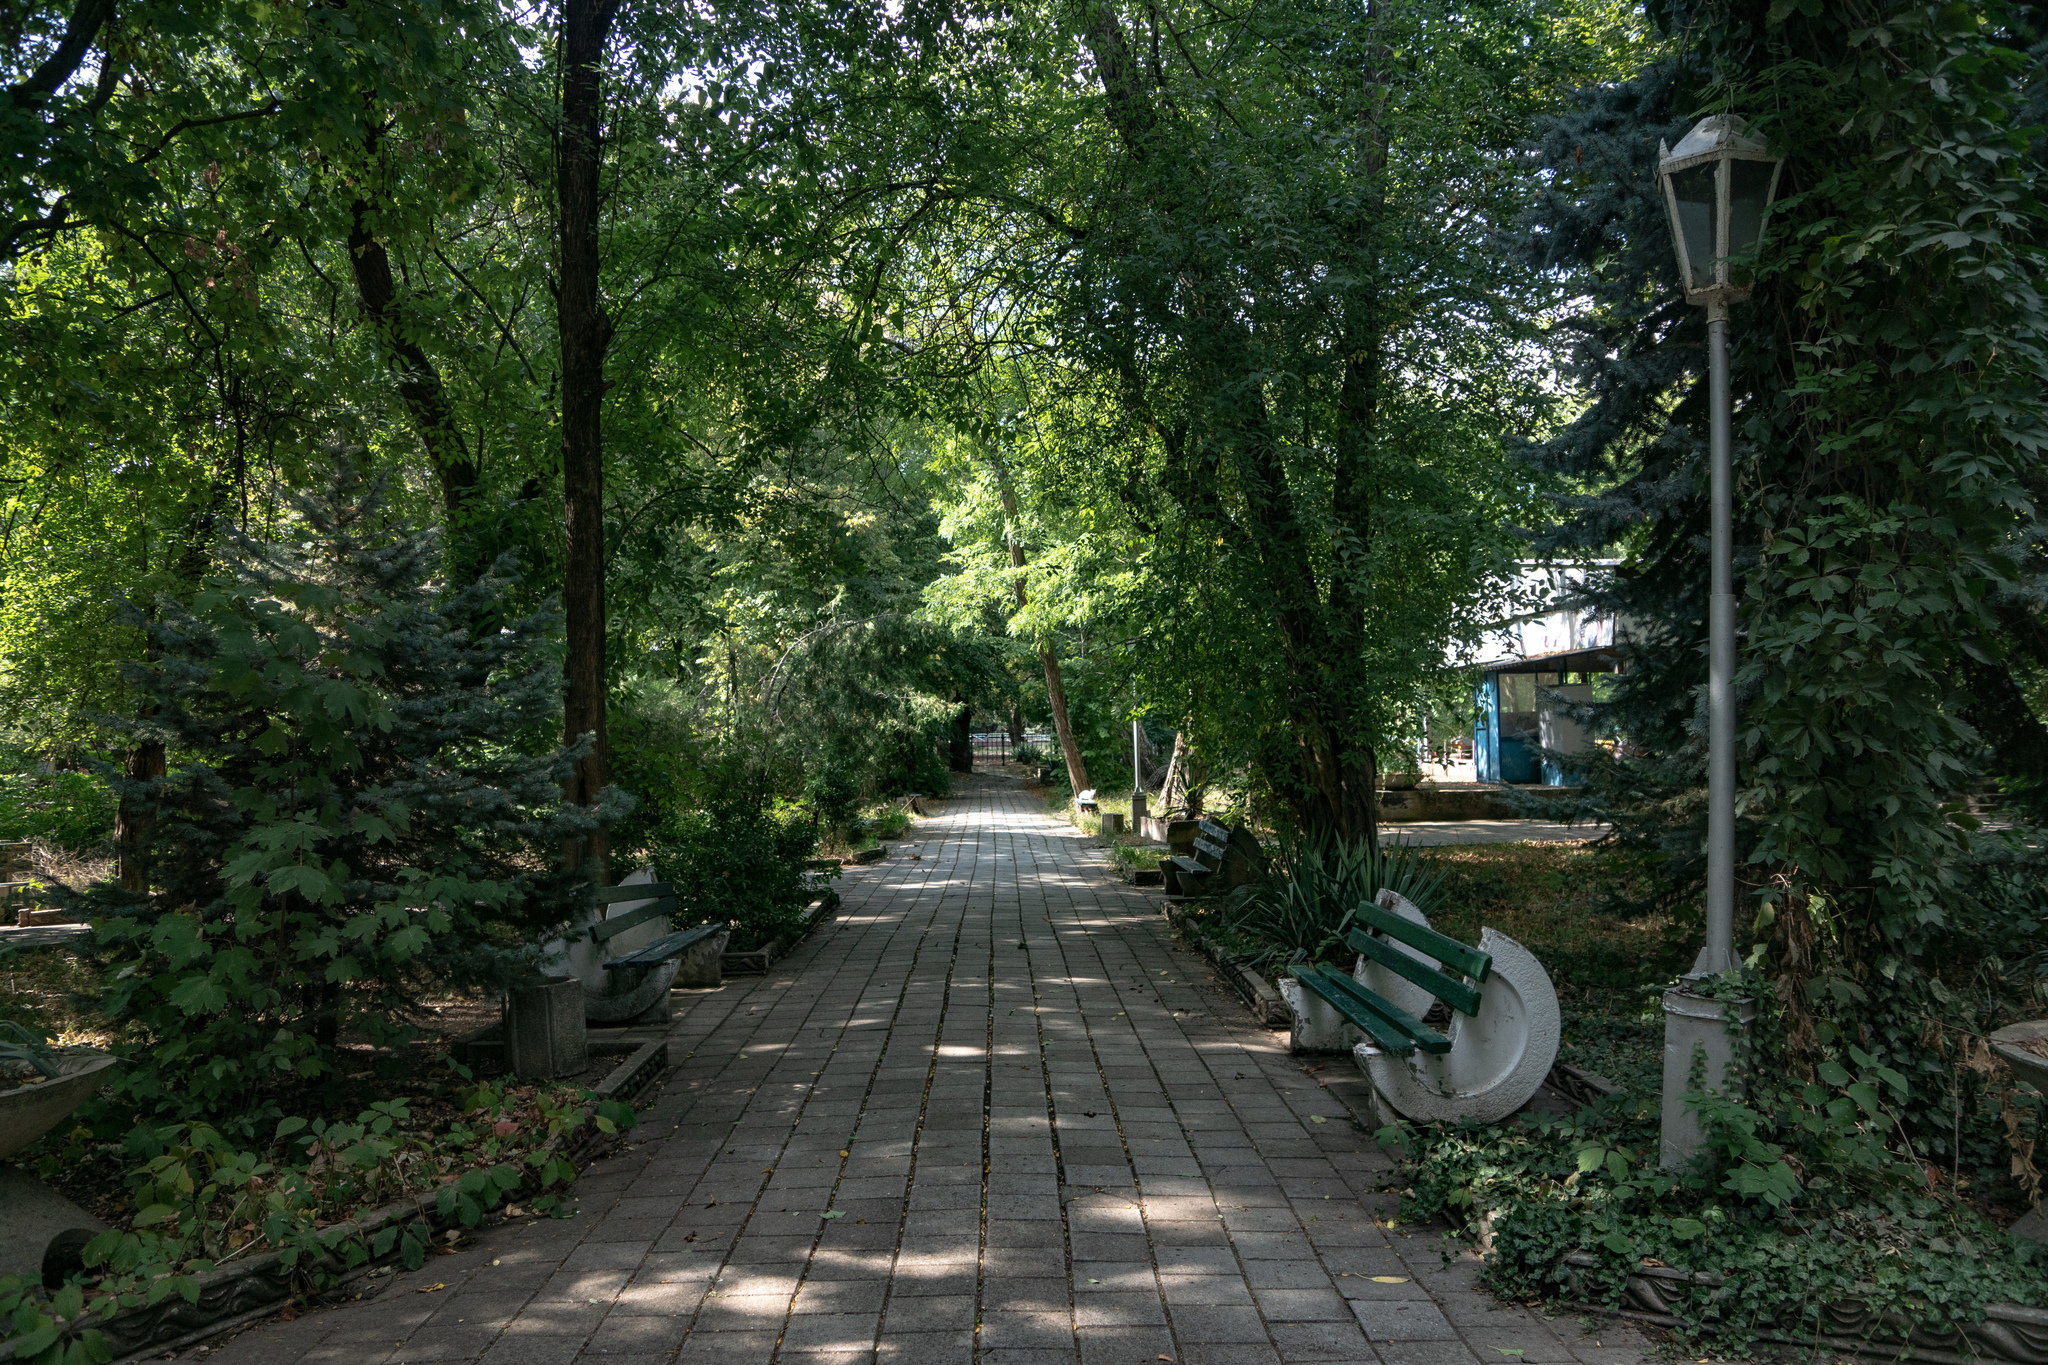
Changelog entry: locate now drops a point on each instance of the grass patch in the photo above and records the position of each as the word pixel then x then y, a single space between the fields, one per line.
pixel 1560 902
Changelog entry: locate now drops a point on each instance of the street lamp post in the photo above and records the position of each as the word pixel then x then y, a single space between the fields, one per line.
pixel 1718 185
pixel 1138 811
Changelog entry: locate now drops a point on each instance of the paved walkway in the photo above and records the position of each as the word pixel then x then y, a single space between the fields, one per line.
pixel 991 1114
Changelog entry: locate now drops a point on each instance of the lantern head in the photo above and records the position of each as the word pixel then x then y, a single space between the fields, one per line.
pixel 1718 186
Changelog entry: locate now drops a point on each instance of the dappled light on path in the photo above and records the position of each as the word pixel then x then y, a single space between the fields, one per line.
pixel 992 1112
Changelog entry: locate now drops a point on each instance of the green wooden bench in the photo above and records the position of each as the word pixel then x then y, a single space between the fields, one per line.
pixel 661 894
pixel 1374 931
pixel 663 898
pixel 1189 874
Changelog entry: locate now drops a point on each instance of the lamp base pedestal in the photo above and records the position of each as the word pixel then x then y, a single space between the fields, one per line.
pixel 1697 1028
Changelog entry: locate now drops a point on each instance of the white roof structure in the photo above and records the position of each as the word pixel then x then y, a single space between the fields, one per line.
pixel 1559 624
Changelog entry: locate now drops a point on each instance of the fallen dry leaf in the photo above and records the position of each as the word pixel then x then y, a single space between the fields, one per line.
pixel 430 1288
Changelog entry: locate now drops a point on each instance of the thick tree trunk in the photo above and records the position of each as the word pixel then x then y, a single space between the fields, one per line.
pixel 133 817
pixel 1016 727
pixel 585 334
pixel 960 747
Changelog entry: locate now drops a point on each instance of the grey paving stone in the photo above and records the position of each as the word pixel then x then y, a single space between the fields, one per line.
pixel 1321 1341
pixel 1302 1305
pixel 1197 1260
pixel 1026 1329
pixel 1119 1345
pixel 1219 1324
pixel 925 1348
pixel 1426 1353
pixel 1231 1353
pixel 1525 1343
pixel 629 1334
pixel 831 1332
pixel 1407 1321
pixel 1204 1290
pixel 726 1348
pixel 928 1313
pixel 534 1350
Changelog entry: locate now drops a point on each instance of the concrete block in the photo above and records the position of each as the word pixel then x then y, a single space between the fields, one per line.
pixel 545 1035
pixel 702 965
pixel 1695 1027
pixel 41 1232
pixel 1314 1024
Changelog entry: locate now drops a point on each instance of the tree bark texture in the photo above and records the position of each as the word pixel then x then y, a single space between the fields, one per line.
pixel 960 746
pixel 133 817
pixel 1176 772
pixel 1320 764
pixel 585 334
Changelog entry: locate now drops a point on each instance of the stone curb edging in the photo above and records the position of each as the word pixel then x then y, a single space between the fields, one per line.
pixel 232 1295
pixel 2009 1332
pixel 1257 993
pixel 757 961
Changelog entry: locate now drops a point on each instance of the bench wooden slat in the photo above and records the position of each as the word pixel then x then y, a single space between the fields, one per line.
pixel 1425 1037
pixel 1220 833
pixel 662 949
pixel 619 924
pixel 1204 848
pixel 1460 958
pixel 1453 992
pixel 633 891
pixel 1188 865
pixel 1387 1024
pixel 1381 1031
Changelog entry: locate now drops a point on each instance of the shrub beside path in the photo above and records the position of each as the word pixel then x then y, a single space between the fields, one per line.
pixel 991 1113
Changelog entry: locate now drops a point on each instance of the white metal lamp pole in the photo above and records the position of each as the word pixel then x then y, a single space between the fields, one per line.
pixel 1720 657
pixel 1718 185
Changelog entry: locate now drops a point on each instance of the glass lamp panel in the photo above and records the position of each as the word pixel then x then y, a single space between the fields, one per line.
pixel 1749 197
pixel 1692 190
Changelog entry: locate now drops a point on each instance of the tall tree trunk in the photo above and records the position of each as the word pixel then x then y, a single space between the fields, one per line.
pixel 585 334
pixel 1016 726
pixel 1176 772
pixel 134 816
pixel 960 748
pixel 1055 688
pixel 1317 764
pixel 419 381
pixel 1056 691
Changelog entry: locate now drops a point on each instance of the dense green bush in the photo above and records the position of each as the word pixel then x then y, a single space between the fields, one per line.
pixel 347 820
pixel 1296 909
pixel 834 798
pixel 74 811
pixel 738 862
pixel 1807 1193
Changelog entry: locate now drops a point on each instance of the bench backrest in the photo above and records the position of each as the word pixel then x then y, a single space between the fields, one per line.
pixel 1367 930
pixel 661 894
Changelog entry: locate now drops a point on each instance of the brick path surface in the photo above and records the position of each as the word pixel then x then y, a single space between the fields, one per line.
pixel 992 1113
